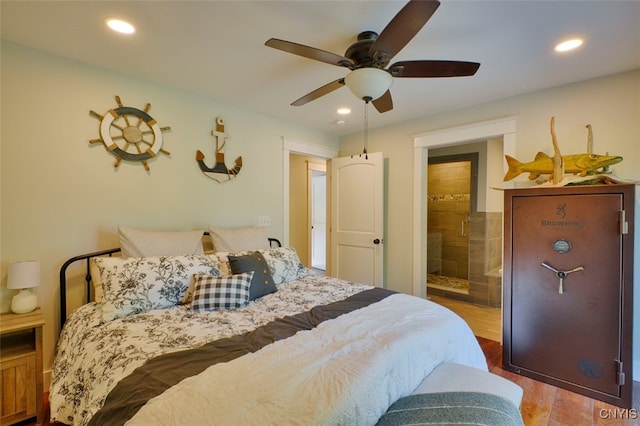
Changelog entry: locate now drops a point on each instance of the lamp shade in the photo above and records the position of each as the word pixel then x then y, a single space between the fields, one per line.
pixel 23 274
pixel 368 83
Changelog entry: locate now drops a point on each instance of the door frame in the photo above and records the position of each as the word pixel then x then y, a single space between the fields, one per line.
pixel 291 146
pixel 503 127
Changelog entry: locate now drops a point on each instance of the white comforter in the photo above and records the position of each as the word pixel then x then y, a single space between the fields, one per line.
pixel 346 371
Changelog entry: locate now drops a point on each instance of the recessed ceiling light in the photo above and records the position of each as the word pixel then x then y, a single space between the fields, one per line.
pixel 121 26
pixel 341 122
pixel 567 45
pixel 344 111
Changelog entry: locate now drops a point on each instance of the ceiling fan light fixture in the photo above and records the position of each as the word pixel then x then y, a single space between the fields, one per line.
pixel 368 83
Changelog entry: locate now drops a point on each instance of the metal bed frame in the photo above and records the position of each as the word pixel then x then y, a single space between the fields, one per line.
pixel 273 242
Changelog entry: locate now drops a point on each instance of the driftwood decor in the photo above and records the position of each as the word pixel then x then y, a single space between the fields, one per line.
pixel 561 170
pixel 130 134
pixel 219 170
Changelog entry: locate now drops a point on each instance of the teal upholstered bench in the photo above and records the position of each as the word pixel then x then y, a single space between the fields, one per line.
pixel 460 394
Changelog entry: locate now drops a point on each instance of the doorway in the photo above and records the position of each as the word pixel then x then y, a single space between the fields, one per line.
pixel 451 198
pixel 466 223
pixel 502 135
pixel 294 224
pixel 307 209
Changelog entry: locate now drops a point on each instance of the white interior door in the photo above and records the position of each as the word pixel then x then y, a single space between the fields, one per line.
pixel 357 218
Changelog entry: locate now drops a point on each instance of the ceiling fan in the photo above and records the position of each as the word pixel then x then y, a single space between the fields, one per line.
pixel 369 56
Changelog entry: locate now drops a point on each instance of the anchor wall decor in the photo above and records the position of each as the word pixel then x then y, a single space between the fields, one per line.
pixel 219 171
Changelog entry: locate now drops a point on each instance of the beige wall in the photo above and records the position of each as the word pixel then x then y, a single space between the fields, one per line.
pixel 62 197
pixel 610 104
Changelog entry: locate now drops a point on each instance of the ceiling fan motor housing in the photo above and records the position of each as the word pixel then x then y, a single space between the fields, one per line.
pixel 358 52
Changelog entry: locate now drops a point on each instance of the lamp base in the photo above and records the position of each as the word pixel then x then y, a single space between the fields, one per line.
pixel 24 302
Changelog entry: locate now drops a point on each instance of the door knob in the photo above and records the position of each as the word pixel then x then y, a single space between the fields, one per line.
pixel 377 241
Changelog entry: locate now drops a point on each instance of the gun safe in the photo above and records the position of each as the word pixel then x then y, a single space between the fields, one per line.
pixel 568 278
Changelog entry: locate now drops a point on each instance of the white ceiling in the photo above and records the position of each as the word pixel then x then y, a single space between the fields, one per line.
pixel 216 48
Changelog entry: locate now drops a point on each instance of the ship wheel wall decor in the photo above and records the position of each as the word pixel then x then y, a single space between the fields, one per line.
pixel 219 171
pixel 130 134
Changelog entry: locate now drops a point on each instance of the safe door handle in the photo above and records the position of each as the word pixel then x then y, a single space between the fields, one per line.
pixel 561 275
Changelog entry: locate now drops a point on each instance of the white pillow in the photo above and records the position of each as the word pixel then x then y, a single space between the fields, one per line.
pixel 239 239
pixel 137 284
pixel 139 243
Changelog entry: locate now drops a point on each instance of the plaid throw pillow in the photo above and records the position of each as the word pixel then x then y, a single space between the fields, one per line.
pixel 221 293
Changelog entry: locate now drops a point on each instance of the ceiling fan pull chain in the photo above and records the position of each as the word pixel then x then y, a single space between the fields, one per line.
pixel 366 129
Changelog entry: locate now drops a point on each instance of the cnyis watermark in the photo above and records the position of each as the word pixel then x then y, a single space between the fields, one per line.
pixel 619 413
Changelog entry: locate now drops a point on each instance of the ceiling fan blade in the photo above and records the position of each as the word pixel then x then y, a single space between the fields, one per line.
pixel 402 28
pixel 319 92
pixel 309 52
pixel 384 103
pixel 409 69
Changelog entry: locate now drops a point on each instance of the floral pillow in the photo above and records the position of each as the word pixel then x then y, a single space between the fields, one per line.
pixel 138 284
pixel 284 264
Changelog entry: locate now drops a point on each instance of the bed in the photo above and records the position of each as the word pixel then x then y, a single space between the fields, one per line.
pixel 196 345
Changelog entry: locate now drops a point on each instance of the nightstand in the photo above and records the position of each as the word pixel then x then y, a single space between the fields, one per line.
pixel 21 367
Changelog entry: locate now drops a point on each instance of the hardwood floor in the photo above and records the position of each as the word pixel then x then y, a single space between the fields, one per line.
pixel 542 404
pixel 484 321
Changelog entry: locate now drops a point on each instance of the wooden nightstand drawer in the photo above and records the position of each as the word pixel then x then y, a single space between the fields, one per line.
pixel 21 367
pixel 17 399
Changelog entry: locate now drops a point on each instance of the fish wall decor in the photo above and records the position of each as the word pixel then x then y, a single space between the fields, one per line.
pixel 581 164
pixel 556 166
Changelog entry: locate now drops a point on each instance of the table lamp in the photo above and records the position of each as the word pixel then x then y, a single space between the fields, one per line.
pixel 22 276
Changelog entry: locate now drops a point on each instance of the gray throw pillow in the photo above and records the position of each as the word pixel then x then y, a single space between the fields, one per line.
pixel 262 282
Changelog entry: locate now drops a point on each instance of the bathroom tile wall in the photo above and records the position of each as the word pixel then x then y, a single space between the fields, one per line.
pixel 448 212
pixel 471 242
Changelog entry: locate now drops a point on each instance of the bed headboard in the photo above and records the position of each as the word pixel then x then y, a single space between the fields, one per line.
pixel 273 242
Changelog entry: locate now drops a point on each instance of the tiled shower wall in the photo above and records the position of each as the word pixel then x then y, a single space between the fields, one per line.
pixel 448 212
pixel 477 259
pixel 485 259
